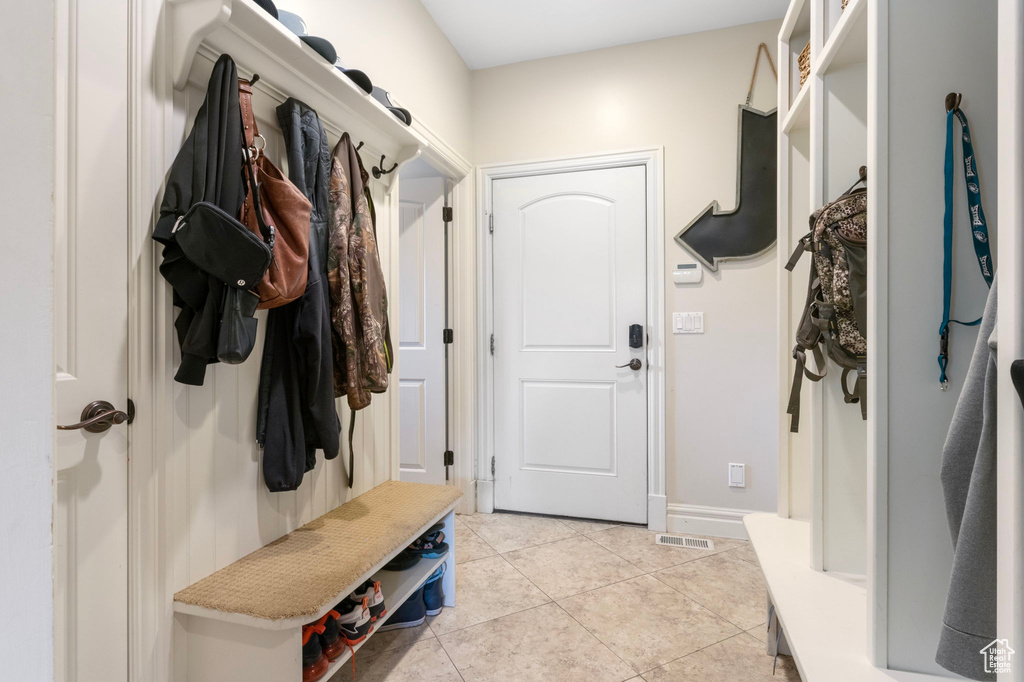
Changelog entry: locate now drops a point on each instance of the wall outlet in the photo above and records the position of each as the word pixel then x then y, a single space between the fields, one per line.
pixel 687 323
pixel 737 475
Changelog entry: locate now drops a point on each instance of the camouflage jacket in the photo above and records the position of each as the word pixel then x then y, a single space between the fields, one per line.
pixel 360 335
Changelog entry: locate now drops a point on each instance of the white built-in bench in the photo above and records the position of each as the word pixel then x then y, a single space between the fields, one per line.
pixel 244 622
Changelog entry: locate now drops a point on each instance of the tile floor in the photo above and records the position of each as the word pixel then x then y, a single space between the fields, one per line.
pixel 558 600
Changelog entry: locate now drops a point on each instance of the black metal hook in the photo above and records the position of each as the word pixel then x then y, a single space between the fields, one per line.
pixel 254 79
pixel 379 170
pixel 953 100
pixel 359 146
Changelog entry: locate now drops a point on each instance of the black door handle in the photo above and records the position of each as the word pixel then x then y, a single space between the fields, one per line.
pixel 99 415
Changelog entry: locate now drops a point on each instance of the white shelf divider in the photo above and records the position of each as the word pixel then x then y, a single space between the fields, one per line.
pixel 823 617
pixel 799 115
pixel 848 43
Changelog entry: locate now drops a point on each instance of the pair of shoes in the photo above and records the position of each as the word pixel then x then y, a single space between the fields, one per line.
pixel 427 600
pixel 430 545
pixel 359 611
pixel 346 625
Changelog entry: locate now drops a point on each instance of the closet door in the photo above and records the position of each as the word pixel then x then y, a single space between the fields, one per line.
pixel 421 350
pixel 91 340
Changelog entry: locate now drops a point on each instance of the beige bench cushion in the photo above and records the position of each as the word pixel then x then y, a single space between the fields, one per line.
pixel 302 573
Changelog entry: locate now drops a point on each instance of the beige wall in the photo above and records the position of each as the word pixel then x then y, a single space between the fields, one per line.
pixel 397 44
pixel 681 93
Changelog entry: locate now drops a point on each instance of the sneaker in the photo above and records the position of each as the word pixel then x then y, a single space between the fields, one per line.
pixel 354 623
pixel 429 546
pixel 314 662
pixel 410 614
pixel 330 639
pixel 371 591
pixel 433 592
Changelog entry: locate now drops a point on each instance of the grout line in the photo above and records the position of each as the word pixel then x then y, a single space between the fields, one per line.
pixel 695 651
pixel 598 639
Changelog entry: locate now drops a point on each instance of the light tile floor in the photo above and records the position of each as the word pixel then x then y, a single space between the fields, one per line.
pixel 559 600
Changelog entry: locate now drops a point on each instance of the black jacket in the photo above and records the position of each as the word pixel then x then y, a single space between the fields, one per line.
pixel 297 411
pixel 207 168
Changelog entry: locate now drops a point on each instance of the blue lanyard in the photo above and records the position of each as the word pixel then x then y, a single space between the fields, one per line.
pixel 979 232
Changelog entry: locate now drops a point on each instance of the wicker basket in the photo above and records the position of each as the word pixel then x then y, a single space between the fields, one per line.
pixel 804 62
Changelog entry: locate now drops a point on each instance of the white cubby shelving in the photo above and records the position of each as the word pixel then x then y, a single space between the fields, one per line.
pixel 861 516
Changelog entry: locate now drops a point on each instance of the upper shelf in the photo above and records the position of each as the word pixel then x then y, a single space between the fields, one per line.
pixel 848 43
pixel 259 44
pixel 797 21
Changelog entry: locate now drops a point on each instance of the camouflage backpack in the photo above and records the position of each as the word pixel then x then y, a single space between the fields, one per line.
pixel 835 315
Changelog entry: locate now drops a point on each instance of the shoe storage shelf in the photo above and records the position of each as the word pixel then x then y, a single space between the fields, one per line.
pixel 244 622
pixel 288 68
pixel 861 549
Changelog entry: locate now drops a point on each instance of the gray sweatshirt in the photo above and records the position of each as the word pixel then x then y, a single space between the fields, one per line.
pixel 969 487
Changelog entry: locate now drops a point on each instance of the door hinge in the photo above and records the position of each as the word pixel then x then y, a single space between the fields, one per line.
pixel 492 344
pixel 492 467
pixel 448 336
pixel 446 214
pixel 490 219
pixel 449 458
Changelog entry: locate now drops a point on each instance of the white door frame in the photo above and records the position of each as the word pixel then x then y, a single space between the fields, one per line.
pixel 652 159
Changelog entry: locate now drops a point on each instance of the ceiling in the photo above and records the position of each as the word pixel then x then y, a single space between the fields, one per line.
pixel 494 32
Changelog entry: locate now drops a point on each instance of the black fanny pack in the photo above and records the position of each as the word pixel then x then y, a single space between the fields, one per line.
pixel 220 245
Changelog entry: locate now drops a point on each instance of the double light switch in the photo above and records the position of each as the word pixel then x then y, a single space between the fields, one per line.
pixel 687 323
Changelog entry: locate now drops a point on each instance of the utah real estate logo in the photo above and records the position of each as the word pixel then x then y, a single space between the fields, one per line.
pixel 997 656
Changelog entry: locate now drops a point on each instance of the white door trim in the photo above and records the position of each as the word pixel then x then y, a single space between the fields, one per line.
pixel 652 159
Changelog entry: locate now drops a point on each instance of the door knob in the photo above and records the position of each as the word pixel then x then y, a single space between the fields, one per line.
pixel 99 415
pixel 633 364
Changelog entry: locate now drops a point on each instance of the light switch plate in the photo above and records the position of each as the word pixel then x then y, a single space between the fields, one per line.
pixel 687 323
pixel 737 475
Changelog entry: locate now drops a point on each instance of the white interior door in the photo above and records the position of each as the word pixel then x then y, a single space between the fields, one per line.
pixel 421 323
pixel 91 346
pixel 570 432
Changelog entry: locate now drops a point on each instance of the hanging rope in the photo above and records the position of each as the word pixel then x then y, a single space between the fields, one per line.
pixel 757 61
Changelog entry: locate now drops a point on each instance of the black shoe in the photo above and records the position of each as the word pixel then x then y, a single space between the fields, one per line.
pixel 433 592
pixel 314 663
pixel 410 614
pixel 354 623
pixel 371 591
pixel 330 639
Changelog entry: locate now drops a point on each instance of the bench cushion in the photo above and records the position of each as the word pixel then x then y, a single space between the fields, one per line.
pixel 302 573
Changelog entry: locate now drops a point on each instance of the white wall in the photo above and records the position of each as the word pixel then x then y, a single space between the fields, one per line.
pixel 401 49
pixel 681 93
pixel 26 338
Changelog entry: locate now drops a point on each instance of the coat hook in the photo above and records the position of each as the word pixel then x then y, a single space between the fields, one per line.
pixel 252 81
pixel 379 170
pixel 359 146
pixel 953 101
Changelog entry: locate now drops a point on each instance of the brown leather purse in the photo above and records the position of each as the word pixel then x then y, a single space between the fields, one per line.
pixel 286 208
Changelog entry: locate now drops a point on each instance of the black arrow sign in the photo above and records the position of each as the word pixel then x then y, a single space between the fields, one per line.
pixel 748 230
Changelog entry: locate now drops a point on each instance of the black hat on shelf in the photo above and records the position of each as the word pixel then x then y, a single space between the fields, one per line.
pixel 323 47
pixel 268 7
pixel 384 97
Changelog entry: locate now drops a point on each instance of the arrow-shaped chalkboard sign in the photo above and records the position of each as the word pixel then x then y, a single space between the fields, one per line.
pixel 748 230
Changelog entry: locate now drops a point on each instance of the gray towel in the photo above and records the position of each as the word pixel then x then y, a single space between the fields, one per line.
pixel 969 487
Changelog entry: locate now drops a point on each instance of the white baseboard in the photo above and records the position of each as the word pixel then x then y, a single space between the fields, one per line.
pixel 485 496
pixel 714 521
pixel 657 510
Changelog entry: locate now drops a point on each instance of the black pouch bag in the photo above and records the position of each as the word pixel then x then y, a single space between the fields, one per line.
pixel 237 335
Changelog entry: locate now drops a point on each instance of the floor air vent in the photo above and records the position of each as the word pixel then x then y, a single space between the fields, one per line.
pixel 678 541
